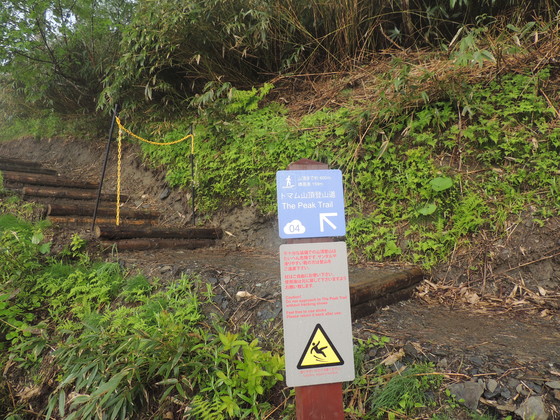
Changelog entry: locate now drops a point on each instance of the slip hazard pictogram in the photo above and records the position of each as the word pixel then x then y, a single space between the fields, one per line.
pixel 319 351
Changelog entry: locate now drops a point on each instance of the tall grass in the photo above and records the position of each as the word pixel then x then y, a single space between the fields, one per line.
pixel 172 49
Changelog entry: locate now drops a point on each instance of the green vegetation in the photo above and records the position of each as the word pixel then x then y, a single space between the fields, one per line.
pixel 76 56
pixel 418 182
pixel 94 341
pixel 104 342
pixel 435 147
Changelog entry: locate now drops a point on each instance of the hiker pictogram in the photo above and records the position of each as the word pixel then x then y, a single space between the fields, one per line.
pixel 319 351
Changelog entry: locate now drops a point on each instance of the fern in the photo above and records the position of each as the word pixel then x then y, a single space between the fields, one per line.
pixel 204 409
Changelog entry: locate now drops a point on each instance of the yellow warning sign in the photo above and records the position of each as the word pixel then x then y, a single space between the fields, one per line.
pixel 319 351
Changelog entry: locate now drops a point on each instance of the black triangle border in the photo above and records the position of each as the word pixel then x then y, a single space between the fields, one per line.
pixel 306 349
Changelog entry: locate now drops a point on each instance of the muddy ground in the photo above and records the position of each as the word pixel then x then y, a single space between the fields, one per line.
pixel 488 317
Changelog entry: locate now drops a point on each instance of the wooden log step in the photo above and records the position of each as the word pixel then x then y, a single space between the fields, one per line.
pixel 72 194
pixel 83 220
pixel 46 180
pixel 28 169
pixel 383 283
pixel 367 308
pixel 382 288
pixel 142 244
pixel 123 232
pixel 56 209
pixel 21 162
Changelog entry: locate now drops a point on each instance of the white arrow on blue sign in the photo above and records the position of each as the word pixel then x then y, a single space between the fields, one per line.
pixel 310 203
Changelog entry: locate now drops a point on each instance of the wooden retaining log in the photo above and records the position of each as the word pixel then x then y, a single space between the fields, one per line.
pixel 142 244
pixel 15 161
pixel 139 224
pixel 56 209
pixel 383 284
pixel 384 288
pixel 29 169
pixel 130 232
pixel 375 304
pixel 74 194
pixel 46 180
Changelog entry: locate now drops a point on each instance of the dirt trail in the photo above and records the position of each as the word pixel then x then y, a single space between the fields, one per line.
pixel 517 346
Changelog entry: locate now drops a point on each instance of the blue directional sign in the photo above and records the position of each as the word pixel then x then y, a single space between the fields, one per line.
pixel 310 203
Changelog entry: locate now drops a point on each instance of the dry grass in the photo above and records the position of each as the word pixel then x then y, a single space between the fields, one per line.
pixel 372 84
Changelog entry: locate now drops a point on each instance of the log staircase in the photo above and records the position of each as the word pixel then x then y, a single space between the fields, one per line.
pixel 72 202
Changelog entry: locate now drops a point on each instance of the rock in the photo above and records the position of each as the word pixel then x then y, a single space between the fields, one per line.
pixel 443 363
pixel 512 383
pixel 476 360
pixel 410 350
pixel 165 269
pixel 164 194
pixel 506 394
pixel 242 294
pixel 532 408
pixel 493 395
pixel 537 389
pixel 491 385
pixel 553 384
pixel 468 393
pixel 557 394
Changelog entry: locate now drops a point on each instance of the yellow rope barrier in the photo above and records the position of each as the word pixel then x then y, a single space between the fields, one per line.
pixel 130 133
pixel 119 159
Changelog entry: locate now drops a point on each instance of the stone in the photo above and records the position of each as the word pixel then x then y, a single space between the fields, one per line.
pixel 443 363
pixel 532 408
pixel 476 360
pixel 506 393
pixel 468 393
pixel 164 194
pixel 165 269
pixel 492 395
pixel 553 384
pixel 512 383
pixel 522 389
pixel 491 385
pixel 410 350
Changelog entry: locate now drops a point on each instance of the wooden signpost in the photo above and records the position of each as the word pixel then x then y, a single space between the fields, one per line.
pixel 315 288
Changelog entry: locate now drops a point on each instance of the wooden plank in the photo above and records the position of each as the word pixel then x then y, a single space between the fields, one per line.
pixel 72 194
pixel 28 169
pixel 81 220
pixel 383 283
pixel 46 180
pixel 374 304
pixel 142 244
pixel 125 232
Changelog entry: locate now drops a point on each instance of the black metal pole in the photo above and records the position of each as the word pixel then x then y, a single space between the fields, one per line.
pixel 107 149
pixel 193 191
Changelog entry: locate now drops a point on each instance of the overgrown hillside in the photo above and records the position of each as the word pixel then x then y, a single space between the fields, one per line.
pixel 435 146
pixel 444 118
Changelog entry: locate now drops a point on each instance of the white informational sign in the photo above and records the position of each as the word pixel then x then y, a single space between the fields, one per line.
pixel 316 313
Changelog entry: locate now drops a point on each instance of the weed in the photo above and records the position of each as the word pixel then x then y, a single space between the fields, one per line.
pixel 405 392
